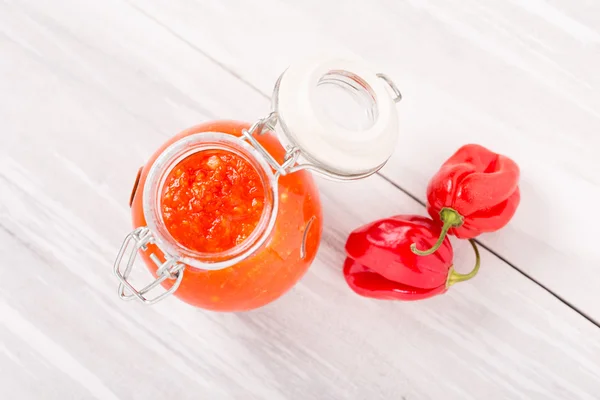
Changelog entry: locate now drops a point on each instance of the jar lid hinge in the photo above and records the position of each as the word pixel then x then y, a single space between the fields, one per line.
pixel 137 240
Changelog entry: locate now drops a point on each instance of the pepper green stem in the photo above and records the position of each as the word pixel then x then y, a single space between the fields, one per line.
pixel 451 219
pixel 455 277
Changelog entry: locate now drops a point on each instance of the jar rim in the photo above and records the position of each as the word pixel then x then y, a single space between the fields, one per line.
pixel 153 189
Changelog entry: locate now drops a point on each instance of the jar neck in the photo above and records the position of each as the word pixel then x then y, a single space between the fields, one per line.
pixel 154 190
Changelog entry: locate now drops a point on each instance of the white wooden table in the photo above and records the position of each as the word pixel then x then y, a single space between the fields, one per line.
pixel 88 89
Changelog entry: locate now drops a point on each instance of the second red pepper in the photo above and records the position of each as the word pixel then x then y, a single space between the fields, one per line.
pixel 475 191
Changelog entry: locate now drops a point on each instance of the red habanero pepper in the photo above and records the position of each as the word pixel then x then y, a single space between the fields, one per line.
pixel 381 265
pixel 475 191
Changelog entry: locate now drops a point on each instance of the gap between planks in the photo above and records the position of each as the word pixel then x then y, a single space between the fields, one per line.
pixel 507 262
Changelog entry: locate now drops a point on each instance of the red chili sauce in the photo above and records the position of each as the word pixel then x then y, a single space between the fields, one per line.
pixel 212 201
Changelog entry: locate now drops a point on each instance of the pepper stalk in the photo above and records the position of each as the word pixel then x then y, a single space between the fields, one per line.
pixel 456 277
pixel 451 219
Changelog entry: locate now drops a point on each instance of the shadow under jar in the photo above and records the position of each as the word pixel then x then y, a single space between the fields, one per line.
pixel 227 216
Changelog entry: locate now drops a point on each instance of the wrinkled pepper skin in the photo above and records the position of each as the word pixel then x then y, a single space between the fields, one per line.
pixel 482 187
pixel 368 283
pixel 383 247
pixel 380 263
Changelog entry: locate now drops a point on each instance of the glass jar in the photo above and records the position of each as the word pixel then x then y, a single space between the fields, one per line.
pixel 309 129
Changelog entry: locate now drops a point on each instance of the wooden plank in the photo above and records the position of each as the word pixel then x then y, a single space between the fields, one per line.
pixel 518 77
pixel 93 89
pixel 500 335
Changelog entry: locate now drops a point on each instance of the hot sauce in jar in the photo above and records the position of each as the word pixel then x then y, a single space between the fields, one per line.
pixel 227 216
pixel 212 201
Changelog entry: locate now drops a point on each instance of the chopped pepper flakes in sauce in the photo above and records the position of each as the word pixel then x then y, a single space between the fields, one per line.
pixel 212 201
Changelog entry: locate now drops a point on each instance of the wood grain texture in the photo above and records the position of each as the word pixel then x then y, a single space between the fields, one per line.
pixel 520 77
pixel 87 91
